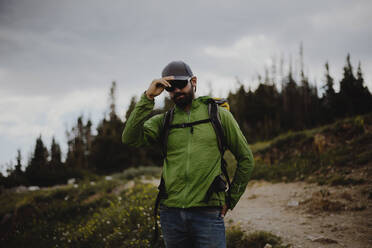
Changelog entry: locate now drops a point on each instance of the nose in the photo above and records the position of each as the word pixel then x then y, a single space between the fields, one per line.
pixel 176 90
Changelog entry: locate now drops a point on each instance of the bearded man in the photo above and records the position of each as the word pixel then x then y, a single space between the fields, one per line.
pixel 191 209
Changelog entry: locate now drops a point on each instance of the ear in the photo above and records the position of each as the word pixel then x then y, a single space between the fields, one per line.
pixel 193 82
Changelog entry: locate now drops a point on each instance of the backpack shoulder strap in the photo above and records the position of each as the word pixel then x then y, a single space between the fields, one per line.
pixel 216 123
pixel 221 140
pixel 167 120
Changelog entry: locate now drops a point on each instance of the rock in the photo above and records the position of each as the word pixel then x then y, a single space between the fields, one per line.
pixel 71 181
pixel 321 239
pixel 20 189
pixel 293 203
pixel 33 188
pixel 268 246
pixel 108 178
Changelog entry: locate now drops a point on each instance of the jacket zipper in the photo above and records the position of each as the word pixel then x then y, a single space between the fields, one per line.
pixel 187 160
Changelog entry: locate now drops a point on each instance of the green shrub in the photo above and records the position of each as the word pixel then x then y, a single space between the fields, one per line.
pixel 237 238
pixel 234 235
pixel 341 180
pixel 64 217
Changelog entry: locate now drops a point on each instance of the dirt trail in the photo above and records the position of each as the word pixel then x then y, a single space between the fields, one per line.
pixel 281 209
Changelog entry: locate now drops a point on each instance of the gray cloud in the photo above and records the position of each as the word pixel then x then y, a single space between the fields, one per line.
pixel 55 49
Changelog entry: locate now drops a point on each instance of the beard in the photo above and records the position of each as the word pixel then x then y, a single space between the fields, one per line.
pixel 184 101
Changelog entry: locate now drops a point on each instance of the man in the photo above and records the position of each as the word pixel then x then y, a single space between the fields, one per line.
pixel 191 215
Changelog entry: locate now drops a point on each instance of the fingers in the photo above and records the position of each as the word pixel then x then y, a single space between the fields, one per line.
pixel 162 82
pixel 223 211
pixel 165 82
pixel 164 79
pixel 157 86
pixel 168 78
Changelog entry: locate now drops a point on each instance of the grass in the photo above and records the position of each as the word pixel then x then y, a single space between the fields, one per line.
pixel 343 181
pixel 236 237
pixel 63 217
pixel 93 214
pixel 328 149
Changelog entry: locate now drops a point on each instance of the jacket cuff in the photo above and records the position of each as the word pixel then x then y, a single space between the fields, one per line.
pixel 144 97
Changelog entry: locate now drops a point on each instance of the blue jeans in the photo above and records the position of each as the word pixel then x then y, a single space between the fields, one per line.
pixel 192 228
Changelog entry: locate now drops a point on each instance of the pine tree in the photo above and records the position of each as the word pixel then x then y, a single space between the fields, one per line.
pixel 55 154
pixel 15 176
pixel 112 101
pixel 347 92
pixel 18 166
pixel 348 81
pixel 329 89
pixel 79 143
pixel 329 99
pixel 38 164
pixel 292 116
pixel 363 100
pixel 354 97
pixel 132 104
pixel 108 154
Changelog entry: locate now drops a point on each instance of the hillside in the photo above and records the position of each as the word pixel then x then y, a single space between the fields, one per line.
pixel 321 190
pixel 330 167
pixel 336 154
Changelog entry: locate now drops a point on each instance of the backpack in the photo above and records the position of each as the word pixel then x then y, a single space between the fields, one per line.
pixel 214 118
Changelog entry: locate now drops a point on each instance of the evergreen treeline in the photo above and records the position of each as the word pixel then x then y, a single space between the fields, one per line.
pixel 266 112
pixel 261 114
pixel 87 154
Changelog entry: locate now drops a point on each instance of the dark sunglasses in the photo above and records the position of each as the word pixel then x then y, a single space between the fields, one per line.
pixel 180 84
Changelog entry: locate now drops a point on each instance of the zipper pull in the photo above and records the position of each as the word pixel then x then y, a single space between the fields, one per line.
pixel 192 129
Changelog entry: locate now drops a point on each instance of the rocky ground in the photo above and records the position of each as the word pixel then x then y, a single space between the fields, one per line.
pixel 307 215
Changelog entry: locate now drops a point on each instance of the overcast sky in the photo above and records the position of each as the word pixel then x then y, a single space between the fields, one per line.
pixel 58 58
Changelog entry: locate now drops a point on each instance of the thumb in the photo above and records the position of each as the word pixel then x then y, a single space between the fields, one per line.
pixel 223 211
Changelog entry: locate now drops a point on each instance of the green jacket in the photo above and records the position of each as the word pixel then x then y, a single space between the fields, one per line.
pixel 193 159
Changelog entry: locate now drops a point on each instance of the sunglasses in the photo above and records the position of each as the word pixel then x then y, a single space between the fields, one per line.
pixel 180 84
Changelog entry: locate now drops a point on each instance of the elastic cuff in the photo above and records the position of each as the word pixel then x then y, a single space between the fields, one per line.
pixel 145 96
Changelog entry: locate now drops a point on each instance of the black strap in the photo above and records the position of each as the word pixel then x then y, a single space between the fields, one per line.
pixel 221 141
pixel 167 120
pixel 224 171
pixel 216 123
pixel 190 124
pixel 162 194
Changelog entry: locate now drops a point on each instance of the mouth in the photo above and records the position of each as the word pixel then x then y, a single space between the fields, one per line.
pixel 179 96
